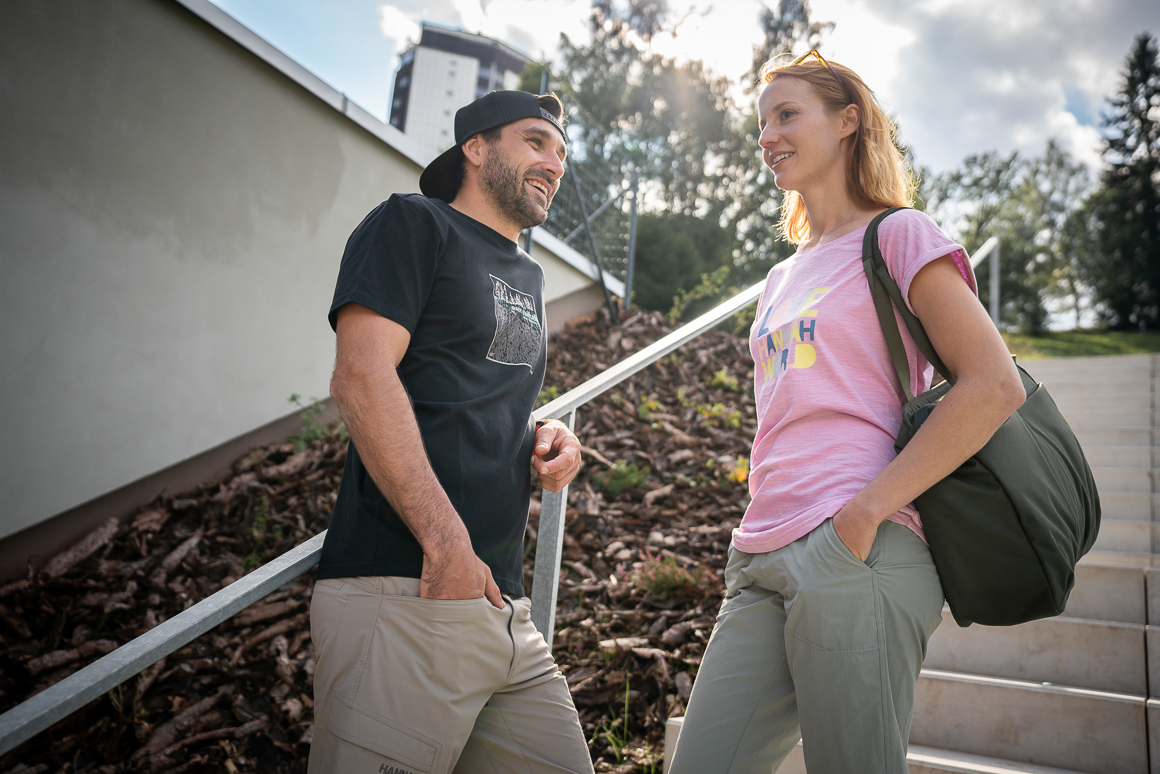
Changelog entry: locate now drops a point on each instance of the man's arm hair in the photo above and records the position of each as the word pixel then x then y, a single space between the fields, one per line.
pixel 377 411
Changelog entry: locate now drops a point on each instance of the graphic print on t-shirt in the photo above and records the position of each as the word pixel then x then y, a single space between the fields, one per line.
pixel 786 335
pixel 518 335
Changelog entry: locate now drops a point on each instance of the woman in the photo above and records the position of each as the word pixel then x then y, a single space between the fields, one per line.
pixel 831 593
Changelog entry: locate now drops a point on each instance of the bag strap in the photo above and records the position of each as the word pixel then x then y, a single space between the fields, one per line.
pixel 884 290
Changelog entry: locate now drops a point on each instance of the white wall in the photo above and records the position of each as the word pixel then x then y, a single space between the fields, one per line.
pixel 173 209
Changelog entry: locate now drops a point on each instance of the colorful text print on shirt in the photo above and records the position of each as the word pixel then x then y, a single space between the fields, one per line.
pixel 786 336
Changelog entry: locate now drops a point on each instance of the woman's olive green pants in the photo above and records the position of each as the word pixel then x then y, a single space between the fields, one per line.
pixel 812 643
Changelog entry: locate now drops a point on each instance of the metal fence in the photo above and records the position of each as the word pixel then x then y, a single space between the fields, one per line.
pixel 58 701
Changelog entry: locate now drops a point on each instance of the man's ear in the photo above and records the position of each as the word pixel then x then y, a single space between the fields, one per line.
pixel 475 150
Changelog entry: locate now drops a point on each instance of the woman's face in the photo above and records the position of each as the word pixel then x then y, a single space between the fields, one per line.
pixel 800 141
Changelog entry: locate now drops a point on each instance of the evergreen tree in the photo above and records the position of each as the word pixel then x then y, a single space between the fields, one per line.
pixel 1117 235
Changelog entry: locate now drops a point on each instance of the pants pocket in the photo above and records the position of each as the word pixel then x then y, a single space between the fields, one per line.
pixel 363 741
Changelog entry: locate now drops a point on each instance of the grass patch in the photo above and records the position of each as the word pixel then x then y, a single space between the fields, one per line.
pixel 1081 343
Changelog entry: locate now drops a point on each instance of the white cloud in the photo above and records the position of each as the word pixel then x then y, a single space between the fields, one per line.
pixel 398 26
pixel 961 77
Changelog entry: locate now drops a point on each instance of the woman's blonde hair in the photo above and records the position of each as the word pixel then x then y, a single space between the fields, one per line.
pixel 876 169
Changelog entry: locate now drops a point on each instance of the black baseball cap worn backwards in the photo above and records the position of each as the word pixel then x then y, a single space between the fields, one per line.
pixel 442 177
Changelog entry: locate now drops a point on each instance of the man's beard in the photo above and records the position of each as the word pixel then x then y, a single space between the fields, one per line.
pixel 504 186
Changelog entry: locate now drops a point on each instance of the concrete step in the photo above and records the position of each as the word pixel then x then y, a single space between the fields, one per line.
pixel 1109 418
pixel 1103 655
pixel 1154 734
pixel 1152 592
pixel 1050 725
pixel 1125 506
pixel 1119 436
pixel 1122 457
pixel 1079 401
pixel 1088 367
pixel 1109 593
pixel 1121 536
pixel 929 760
pixel 1152 638
pixel 1122 479
pixel 919 759
pixel 1122 559
pixel 1061 386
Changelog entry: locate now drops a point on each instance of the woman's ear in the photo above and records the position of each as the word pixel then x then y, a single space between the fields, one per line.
pixel 851 119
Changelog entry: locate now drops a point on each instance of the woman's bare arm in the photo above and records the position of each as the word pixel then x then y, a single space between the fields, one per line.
pixel 987 391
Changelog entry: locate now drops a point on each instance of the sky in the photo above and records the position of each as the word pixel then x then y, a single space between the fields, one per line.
pixel 960 76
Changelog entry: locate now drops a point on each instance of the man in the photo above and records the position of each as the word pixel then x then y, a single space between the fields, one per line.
pixel 427 659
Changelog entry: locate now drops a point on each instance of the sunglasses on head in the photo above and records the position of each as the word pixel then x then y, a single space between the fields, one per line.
pixel 822 59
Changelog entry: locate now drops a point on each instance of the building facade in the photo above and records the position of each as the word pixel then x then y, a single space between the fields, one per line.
pixel 446 70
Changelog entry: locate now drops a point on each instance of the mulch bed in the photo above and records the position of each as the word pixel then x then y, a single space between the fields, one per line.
pixel 647 529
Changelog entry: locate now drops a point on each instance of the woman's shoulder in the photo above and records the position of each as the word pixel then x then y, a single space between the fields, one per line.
pixel 909 219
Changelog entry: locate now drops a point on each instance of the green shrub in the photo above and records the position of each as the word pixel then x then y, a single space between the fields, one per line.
pixel 718 416
pixel 723 381
pixel 664 578
pixel 547 395
pixel 621 477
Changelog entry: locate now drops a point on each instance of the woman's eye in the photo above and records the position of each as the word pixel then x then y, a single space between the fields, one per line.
pixel 786 115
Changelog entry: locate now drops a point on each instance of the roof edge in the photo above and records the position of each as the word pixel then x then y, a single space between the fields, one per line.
pixel 276 58
pixel 576 260
pixel 414 151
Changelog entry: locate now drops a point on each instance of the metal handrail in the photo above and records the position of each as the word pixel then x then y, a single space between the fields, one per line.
pixel 29 718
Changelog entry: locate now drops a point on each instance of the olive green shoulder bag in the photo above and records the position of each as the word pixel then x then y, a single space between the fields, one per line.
pixel 1006 528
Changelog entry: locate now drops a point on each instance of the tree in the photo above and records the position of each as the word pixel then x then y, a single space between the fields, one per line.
pixel 1117 235
pixel 1027 203
pixel 673 251
pixel 678 123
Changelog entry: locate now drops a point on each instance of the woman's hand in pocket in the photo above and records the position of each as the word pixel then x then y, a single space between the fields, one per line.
pixel 856 530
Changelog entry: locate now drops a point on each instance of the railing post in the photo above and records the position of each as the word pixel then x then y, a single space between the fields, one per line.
pixel 549 551
pixel 631 240
pixel 995 309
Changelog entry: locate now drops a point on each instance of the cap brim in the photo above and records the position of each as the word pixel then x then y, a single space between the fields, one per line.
pixel 442 177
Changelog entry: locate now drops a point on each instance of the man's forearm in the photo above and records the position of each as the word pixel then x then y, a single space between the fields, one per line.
pixel 381 422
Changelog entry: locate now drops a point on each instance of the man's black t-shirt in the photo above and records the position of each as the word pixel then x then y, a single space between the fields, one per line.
pixel 473 303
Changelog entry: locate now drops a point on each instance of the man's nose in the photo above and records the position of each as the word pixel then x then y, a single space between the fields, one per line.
pixel 554 167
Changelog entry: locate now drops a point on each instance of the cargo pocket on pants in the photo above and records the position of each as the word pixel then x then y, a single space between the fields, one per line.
pixel 362 743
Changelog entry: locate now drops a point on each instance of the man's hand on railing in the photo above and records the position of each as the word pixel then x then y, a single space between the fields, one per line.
pixel 556 456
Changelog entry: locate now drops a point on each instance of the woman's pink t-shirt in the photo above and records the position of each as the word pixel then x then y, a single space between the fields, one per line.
pixel 828 401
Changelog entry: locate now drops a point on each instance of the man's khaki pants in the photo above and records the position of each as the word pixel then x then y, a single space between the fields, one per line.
pixel 405 685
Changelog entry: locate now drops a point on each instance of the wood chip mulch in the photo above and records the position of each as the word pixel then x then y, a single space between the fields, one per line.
pixel 647 529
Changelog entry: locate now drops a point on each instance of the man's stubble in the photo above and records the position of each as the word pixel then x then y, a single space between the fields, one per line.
pixel 504 186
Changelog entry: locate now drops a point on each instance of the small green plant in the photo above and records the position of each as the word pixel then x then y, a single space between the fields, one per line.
pixel 743 320
pixel 738 470
pixel 718 416
pixel 614 731
pixel 313 428
pixel 258 533
pixel 547 395
pixel 621 477
pixel 723 381
pixel 648 407
pixel 712 287
pixel 664 578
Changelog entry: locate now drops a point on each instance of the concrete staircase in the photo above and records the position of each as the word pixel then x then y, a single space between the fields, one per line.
pixel 1079 692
